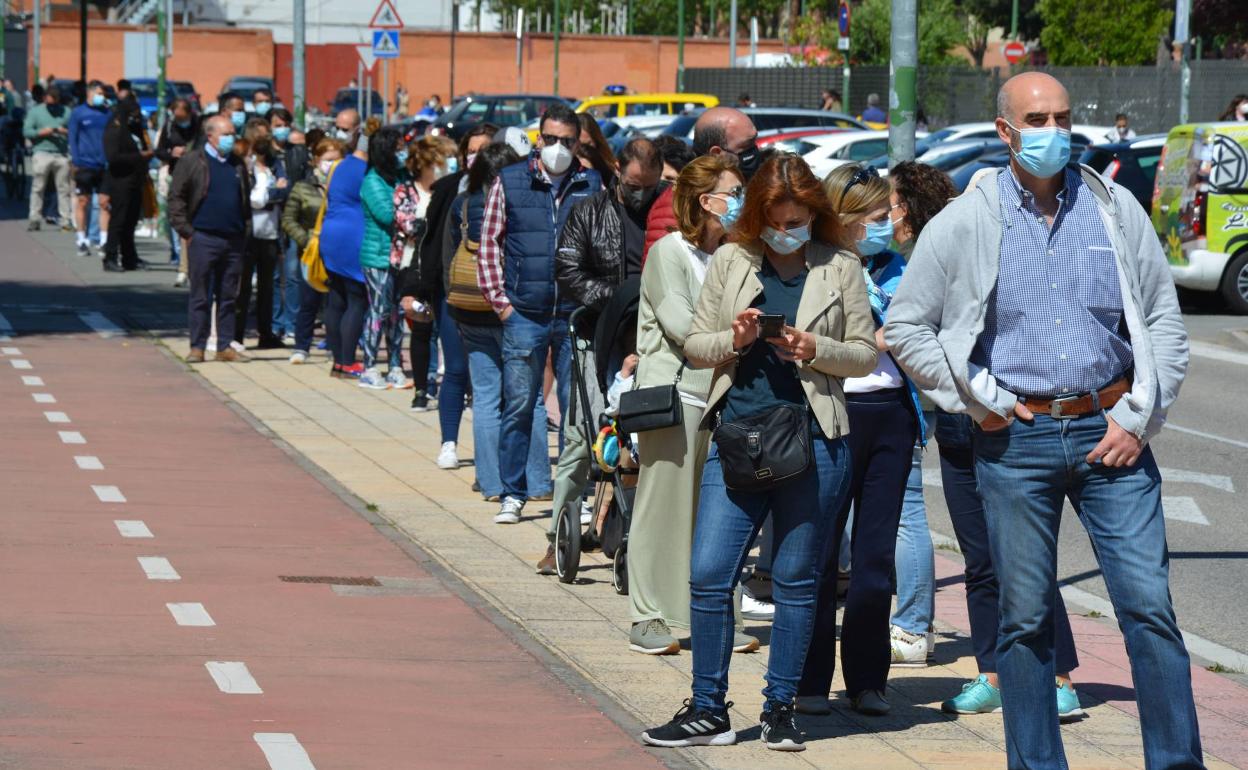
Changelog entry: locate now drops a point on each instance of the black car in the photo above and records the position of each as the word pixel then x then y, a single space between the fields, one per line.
pixel 1132 164
pixel 351 98
pixel 502 110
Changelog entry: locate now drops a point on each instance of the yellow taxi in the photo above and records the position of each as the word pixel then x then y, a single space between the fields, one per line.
pixel 623 106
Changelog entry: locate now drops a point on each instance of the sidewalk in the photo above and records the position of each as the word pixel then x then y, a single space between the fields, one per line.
pixel 384 454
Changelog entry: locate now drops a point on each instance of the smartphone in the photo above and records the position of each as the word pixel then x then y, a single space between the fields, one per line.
pixel 770 325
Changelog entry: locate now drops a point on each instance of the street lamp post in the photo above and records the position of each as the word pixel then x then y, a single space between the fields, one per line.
pixel 680 45
pixel 902 81
pixel 299 82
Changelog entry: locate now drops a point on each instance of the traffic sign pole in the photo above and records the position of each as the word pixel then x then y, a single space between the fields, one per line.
pixel 903 81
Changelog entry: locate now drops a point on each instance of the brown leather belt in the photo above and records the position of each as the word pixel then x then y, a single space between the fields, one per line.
pixel 1070 407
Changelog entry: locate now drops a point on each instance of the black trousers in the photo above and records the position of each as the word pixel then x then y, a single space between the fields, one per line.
pixel 261 255
pixel 882 431
pixel 344 317
pixel 215 262
pixel 125 205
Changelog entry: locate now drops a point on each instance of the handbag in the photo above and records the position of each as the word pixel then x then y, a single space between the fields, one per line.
pixel 464 292
pixel 314 272
pixel 658 406
pixel 762 451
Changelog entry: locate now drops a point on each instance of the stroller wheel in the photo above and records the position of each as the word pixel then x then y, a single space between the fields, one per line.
pixel 568 542
pixel 619 570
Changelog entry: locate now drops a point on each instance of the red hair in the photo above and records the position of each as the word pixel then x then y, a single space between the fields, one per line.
pixel 786 177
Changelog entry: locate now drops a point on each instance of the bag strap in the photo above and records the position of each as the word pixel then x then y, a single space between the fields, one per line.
pixel 463 221
pixel 679 373
pixel 320 215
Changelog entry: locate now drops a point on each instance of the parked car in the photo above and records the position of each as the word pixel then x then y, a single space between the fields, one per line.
pixel 145 91
pixel 787 140
pixel 771 119
pixel 1200 208
pixel 500 109
pixel 637 105
pixel 246 87
pixel 1132 164
pixel 1080 133
pixel 825 153
pixel 349 98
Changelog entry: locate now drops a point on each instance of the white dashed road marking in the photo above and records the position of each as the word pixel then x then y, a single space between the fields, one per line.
pixel 190 614
pixel 1217 352
pixel 89 463
pixel 71 437
pixel 32 381
pixel 20 363
pixel 232 677
pixel 59 417
pixel 108 493
pixel 158 568
pixel 1183 509
pixel 43 398
pixel 100 324
pixel 132 528
pixel 283 751
pixel 10 351
pixel 1210 436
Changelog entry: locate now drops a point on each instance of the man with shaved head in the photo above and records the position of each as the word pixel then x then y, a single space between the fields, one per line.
pixel 209 206
pixel 1040 303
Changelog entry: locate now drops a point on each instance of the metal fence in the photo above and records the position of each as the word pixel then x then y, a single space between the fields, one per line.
pixel 947 95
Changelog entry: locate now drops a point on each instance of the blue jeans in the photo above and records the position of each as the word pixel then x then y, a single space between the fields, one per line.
pixel 526 341
pixel 915 567
pixel 726 524
pixel 484 347
pixel 288 279
pixel 1024 472
pixel 454 379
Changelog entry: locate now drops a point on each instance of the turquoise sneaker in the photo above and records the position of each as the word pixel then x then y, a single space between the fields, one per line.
pixel 977 697
pixel 1068 708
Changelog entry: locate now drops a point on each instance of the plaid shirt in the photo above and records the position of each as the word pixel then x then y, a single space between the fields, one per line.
pixel 490 251
pixel 1053 325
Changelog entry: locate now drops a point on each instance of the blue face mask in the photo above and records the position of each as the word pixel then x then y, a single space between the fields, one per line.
pixel 281 133
pixel 184 124
pixel 786 241
pixel 732 212
pixel 262 108
pixel 238 119
pixel 879 234
pixel 452 165
pixel 225 144
pixel 1043 152
pixel 402 157
pixel 98 100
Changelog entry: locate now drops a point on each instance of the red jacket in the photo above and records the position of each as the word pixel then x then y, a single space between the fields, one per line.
pixel 661 220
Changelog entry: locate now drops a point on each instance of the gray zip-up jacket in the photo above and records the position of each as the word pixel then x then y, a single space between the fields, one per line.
pixel 937 314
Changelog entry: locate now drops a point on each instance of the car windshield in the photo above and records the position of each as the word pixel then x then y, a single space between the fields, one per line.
pixel 1097 159
pixel 940 135
pixel 143 89
pixel 248 90
pixel 681 126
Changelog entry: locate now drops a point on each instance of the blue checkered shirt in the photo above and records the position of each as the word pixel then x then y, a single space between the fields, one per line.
pixel 1054 321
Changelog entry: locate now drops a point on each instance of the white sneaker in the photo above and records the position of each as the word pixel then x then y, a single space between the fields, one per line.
pixel 587 513
pixel 372 379
pixel 908 650
pixel 288 339
pixel 180 280
pixel 238 347
pixel 755 609
pixel 448 460
pixel 298 357
pixel 509 513
pixel 397 379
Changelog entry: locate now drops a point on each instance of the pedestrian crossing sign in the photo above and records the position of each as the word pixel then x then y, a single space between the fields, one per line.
pixel 386 43
pixel 386 17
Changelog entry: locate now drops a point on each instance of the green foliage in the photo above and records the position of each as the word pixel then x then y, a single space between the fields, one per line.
pixel 659 17
pixel 1103 32
pixel 940 31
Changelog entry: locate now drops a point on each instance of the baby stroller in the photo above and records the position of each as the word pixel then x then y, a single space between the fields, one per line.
pixel 613 488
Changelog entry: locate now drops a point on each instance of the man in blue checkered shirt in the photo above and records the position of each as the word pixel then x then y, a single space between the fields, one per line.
pixel 1040 303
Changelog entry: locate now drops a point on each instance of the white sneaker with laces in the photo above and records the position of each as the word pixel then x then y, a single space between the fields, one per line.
pixel 448 460
pixel 373 380
pixel 180 280
pixel 908 650
pixel 238 347
pixel 509 513
pixel 754 609
pixel 397 379
pixel 587 513
pixel 299 357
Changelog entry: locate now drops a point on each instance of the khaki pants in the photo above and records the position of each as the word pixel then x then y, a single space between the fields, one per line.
pixel 45 165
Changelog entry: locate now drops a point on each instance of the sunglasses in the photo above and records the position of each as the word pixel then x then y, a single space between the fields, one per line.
pixel 549 140
pixel 863 175
pixel 735 192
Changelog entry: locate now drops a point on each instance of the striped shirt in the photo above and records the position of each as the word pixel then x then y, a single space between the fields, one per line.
pixel 1054 322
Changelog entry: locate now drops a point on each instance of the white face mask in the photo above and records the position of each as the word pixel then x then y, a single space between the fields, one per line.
pixel 325 167
pixel 556 158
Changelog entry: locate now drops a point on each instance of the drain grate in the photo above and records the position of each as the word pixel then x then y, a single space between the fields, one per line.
pixel 330 580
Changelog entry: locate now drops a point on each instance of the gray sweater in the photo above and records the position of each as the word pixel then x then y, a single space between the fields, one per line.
pixel 937 315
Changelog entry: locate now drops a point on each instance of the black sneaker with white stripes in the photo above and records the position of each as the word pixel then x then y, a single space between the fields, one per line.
pixel 780 731
pixel 692 727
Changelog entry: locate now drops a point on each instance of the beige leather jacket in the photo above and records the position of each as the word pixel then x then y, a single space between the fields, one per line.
pixel 834 308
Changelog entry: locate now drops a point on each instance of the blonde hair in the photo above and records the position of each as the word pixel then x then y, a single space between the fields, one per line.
pixel 698 178
pixel 863 197
pixel 424 153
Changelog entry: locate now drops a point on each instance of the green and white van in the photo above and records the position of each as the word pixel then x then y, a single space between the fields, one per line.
pixel 1200 208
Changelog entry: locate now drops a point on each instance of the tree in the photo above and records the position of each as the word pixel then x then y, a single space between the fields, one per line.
pixel 983 16
pixel 1103 32
pixel 1222 25
pixel 940 31
pixel 659 17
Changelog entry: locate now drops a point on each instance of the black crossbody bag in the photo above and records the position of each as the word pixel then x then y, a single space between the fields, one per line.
pixel 659 406
pixel 762 451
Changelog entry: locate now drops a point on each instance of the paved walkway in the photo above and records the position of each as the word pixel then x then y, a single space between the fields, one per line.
pixel 383 454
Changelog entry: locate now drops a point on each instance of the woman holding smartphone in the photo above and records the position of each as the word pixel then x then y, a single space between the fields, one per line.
pixel 788 258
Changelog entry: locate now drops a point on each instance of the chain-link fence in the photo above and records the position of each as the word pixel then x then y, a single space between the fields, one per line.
pixel 947 95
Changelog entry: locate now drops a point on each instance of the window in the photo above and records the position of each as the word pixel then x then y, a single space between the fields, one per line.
pixel 864 150
pixel 1148 160
pixel 602 111
pixel 647 108
pixel 511 112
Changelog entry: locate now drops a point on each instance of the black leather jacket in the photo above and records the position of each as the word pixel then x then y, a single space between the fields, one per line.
pixel 590 262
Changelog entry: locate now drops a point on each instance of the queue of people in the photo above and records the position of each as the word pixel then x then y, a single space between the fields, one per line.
pixel 818 334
